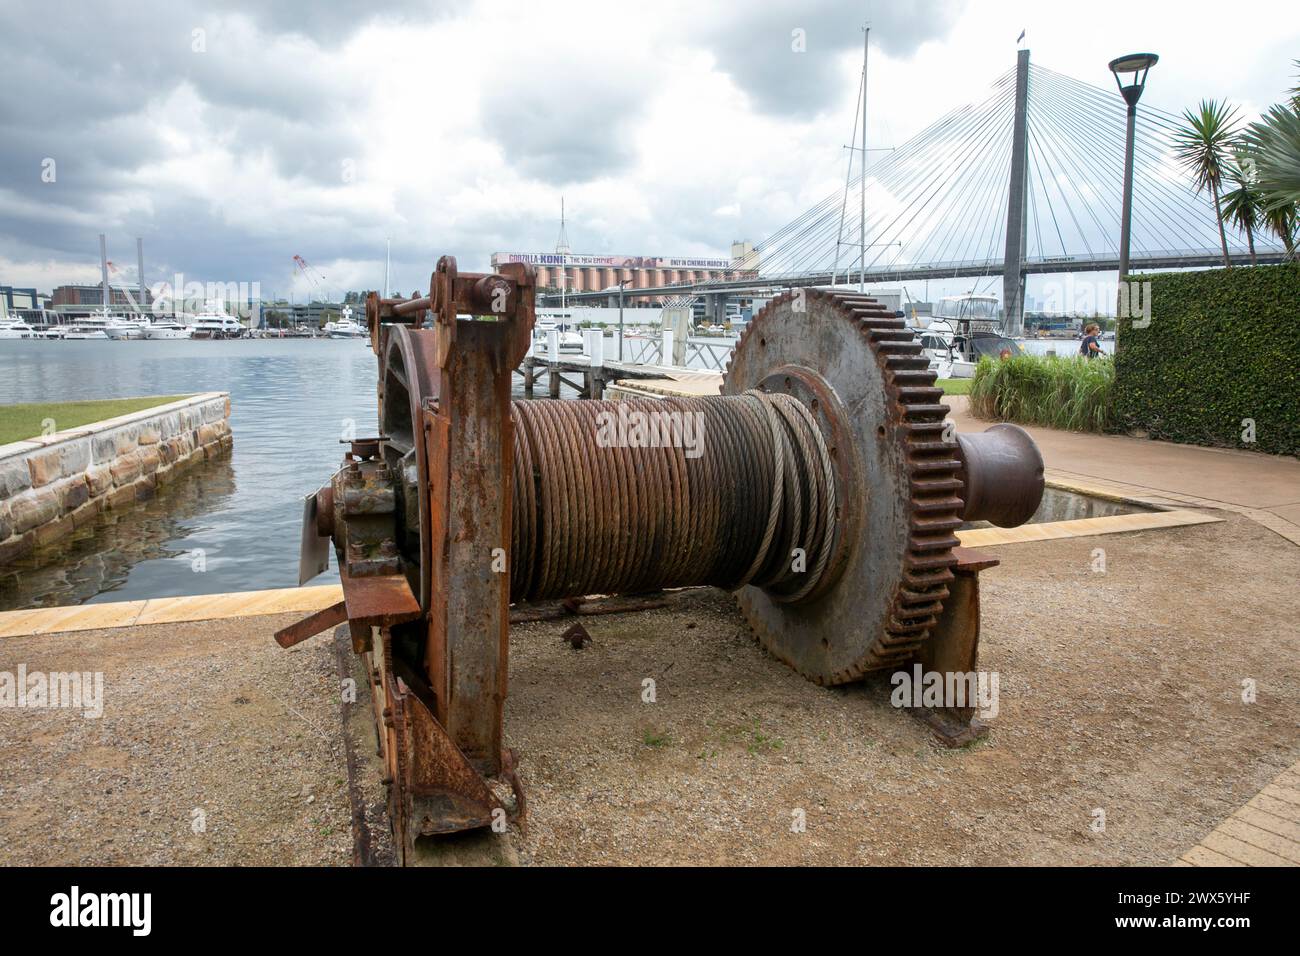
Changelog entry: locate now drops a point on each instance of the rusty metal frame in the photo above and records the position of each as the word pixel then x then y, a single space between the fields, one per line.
pixel 469 441
pixel 439 721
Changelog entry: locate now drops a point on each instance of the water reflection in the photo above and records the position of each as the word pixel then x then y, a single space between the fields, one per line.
pixel 98 557
pixel 291 401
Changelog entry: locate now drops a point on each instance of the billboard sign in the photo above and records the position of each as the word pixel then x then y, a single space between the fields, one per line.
pixel 611 262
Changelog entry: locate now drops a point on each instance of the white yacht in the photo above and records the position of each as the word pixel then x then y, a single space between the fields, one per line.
pixel 16 329
pixel 213 323
pixel 961 329
pixel 165 329
pixel 91 326
pixel 980 312
pixel 570 341
pixel 954 348
pixel 346 328
pixel 121 328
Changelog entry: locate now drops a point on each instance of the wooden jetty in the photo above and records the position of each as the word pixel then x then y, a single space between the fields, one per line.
pixel 591 376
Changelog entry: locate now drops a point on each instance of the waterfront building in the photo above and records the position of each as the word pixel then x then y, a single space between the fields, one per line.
pixel 68 298
pixel 595 273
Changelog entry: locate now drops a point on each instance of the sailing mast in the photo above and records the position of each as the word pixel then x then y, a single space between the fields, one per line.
pixel 859 123
pixel 562 250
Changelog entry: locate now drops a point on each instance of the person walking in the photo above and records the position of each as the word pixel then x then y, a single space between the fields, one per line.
pixel 1089 347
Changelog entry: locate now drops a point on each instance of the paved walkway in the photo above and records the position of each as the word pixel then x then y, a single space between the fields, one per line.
pixel 1265 832
pixel 1265 488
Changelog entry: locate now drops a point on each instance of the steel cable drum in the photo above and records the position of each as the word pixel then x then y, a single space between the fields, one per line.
pixel 637 495
pixel 860 373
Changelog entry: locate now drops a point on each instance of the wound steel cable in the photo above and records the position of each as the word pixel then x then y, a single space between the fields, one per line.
pixel 642 494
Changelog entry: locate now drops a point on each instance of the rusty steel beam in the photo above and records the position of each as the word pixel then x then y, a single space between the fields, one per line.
pixel 953 648
pixel 318 623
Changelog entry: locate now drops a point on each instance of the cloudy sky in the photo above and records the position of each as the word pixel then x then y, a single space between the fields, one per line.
pixel 234 135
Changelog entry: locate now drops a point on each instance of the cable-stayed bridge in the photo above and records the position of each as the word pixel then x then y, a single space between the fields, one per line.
pixel 1029 180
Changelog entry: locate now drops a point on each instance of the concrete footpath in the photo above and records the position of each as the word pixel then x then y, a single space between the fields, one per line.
pixel 1264 488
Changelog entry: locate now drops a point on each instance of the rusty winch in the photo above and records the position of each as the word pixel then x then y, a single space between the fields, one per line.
pixel 823 486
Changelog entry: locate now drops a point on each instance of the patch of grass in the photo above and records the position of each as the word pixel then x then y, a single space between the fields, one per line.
pixel 655 738
pixel 1075 394
pixel 20 422
pixel 955 386
pixel 761 743
pixel 752 737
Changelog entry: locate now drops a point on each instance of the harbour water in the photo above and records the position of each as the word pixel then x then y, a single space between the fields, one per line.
pixel 229 525
pixel 1065 348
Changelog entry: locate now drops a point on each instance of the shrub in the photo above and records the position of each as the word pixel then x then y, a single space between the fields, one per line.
pixel 1070 393
pixel 1222 346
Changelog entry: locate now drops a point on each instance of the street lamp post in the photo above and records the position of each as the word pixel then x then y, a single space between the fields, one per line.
pixel 1133 68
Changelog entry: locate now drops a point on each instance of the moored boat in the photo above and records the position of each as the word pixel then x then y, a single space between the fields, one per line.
pixel 165 329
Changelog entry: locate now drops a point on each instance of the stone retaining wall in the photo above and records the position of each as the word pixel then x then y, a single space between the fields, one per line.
pixel 51 485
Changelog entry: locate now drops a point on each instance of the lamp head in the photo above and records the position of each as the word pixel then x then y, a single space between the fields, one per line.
pixel 1133 67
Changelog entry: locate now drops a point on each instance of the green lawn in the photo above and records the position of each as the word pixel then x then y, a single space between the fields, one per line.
pixel 18 422
pixel 955 386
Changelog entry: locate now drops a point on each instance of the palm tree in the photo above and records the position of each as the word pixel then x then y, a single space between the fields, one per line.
pixel 1281 221
pixel 1243 204
pixel 1203 146
pixel 1274 143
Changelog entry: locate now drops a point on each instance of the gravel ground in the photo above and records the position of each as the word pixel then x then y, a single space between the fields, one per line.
pixel 1120 691
pixel 209 718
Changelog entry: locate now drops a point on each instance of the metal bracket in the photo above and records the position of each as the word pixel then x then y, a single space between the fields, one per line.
pixel 953 646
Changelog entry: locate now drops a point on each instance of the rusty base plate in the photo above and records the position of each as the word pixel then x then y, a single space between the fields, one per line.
pixel 950 728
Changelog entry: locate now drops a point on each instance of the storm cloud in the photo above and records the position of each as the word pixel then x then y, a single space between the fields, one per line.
pixel 786 55
pixel 234 135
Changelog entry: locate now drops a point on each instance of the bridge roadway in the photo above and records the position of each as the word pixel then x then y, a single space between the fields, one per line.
pixel 1200 259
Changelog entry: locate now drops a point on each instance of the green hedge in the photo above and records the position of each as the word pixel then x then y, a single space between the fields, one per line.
pixel 1072 393
pixel 1222 346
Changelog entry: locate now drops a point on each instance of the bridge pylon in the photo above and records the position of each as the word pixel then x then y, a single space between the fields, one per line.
pixel 1013 266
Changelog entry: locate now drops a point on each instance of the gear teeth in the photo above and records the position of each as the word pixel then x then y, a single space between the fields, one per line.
pixel 934 506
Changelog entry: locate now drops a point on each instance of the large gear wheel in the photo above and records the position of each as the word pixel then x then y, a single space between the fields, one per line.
pixel 408 378
pixel 862 372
